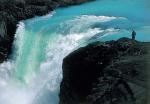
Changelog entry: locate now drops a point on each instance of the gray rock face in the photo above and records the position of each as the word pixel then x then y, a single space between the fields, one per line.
pixel 12 11
pixel 3 29
pixel 4 38
pixel 113 72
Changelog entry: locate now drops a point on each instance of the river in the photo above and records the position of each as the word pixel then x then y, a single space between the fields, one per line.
pixel 33 73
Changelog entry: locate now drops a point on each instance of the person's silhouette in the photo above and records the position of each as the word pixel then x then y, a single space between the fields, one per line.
pixel 133 35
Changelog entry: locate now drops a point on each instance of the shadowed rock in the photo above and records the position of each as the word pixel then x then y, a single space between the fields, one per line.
pixel 12 11
pixel 105 73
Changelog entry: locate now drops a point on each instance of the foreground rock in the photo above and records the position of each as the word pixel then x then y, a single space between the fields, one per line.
pixel 12 11
pixel 113 72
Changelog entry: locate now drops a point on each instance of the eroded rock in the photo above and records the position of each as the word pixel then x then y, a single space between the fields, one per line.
pixel 106 73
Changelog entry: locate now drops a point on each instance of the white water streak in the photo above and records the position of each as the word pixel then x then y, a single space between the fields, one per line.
pixel 43 88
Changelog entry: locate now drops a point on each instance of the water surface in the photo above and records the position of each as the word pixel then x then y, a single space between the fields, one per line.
pixel 34 72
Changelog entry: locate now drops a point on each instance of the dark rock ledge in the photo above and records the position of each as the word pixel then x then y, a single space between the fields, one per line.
pixel 114 72
pixel 12 11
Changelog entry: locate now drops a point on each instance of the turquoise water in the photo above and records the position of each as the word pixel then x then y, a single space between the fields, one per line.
pixel 34 72
pixel 135 13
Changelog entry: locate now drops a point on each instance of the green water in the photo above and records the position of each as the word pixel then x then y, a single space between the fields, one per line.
pixel 34 72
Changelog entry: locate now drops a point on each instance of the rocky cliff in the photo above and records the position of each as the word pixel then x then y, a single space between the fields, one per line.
pixel 112 72
pixel 12 11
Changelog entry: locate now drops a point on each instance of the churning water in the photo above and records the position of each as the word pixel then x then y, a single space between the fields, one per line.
pixel 33 73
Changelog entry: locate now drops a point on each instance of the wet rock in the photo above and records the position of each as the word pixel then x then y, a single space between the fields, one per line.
pixel 72 2
pixel 105 73
pixel 12 11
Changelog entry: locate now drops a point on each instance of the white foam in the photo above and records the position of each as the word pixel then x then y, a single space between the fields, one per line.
pixel 5 71
pixel 83 23
pixel 18 40
pixel 98 18
pixel 50 75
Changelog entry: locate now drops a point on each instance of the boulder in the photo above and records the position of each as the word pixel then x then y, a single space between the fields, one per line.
pixel 102 73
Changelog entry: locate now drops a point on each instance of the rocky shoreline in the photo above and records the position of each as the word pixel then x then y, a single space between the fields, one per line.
pixel 13 11
pixel 113 72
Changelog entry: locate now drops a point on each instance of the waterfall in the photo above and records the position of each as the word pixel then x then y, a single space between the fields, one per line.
pixel 33 73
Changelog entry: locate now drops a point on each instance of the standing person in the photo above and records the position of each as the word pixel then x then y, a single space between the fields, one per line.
pixel 133 35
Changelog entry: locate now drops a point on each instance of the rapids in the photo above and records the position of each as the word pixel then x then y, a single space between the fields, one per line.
pixel 33 73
